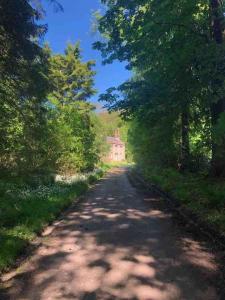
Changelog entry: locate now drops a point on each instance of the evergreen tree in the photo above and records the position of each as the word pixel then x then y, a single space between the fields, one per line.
pixel 70 115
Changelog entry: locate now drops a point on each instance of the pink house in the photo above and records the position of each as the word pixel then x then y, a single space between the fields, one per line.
pixel 117 148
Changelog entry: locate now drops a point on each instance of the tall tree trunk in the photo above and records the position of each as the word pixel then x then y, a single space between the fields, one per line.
pixel 218 150
pixel 185 146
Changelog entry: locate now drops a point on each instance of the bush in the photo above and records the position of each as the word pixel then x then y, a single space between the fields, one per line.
pixel 92 179
pixel 204 196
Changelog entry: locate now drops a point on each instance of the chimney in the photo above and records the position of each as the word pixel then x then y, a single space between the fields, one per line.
pixel 117 133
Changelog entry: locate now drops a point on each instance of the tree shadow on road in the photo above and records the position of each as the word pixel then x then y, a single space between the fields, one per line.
pixel 117 247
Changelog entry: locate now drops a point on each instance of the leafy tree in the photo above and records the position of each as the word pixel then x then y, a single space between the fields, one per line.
pixel 72 80
pixel 23 84
pixel 70 115
pixel 173 47
pixel 46 122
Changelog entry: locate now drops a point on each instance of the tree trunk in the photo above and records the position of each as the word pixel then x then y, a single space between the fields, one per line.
pixel 185 146
pixel 218 150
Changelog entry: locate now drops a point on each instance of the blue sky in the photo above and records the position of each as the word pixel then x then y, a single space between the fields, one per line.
pixel 75 24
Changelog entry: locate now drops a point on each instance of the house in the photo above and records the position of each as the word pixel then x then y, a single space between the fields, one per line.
pixel 117 148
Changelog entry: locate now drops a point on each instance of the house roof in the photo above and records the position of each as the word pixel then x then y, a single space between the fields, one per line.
pixel 114 140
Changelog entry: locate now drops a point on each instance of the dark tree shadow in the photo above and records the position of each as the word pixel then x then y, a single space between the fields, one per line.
pixel 118 247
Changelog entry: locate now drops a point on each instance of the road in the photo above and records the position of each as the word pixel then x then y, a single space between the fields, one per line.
pixel 119 244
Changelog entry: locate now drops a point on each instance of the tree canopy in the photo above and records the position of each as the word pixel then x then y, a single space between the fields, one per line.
pixel 176 96
pixel 47 124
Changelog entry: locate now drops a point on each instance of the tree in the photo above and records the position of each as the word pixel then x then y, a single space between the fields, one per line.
pixel 70 115
pixel 218 105
pixel 72 80
pixel 173 47
pixel 23 83
pixel 46 122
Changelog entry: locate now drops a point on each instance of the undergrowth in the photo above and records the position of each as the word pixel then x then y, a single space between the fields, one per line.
pixel 25 210
pixel 205 196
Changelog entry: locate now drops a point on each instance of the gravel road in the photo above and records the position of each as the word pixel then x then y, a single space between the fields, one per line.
pixel 119 244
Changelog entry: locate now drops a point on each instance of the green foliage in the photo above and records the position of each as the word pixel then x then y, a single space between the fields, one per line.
pixel 175 99
pixel 19 34
pixel 73 147
pixel 73 139
pixel 23 86
pixel 53 135
pixel 106 124
pixel 219 129
pixel 25 210
pixel 72 80
pixel 47 126
pixel 45 121
pixel 204 196
pixel 176 95
pixel 152 148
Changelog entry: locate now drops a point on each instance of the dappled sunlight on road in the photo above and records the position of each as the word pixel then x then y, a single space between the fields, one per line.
pixel 116 247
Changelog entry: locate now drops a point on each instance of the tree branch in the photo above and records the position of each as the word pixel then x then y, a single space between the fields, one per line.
pixel 185 27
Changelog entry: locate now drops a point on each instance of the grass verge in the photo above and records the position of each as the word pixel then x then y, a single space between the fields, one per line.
pixel 204 196
pixel 26 210
pixel 118 164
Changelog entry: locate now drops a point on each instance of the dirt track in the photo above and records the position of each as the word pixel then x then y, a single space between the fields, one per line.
pixel 118 245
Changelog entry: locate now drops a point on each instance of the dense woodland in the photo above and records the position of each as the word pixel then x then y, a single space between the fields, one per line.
pixel 175 98
pixel 47 124
pixel 48 127
pixel 171 113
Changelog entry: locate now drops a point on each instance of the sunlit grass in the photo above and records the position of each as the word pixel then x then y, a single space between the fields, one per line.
pixel 119 164
pixel 26 210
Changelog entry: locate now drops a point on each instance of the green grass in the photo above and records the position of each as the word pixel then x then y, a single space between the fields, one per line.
pixel 26 210
pixel 118 164
pixel 204 196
